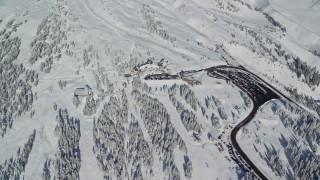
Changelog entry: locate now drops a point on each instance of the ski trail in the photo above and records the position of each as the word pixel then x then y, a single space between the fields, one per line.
pixel 107 24
pixel 89 166
pixel 103 21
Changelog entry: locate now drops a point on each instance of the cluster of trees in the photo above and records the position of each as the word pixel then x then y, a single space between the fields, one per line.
pixel 188 118
pixel 311 74
pixel 246 99
pixel 260 46
pixel 13 168
pixel 267 16
pixel 12 26
pixel 76 100
pixel 215 121
pixel 88 55
pixel 163 135
pixel 120 147
pixel 139 151
pixel 189 96
pixel 215 102
pixel 212 102
pixel 274 22
pixel 257 37
pixel 101 78
pixel 119 60
pixel 304 160
pixel 187 167
pixel 138 85
pixel 304 163
pixel 304 125
pixel 48 42
pixel 46 175
pixel 16 96
pixel 316 53
pixel 127 66
pixel 308 101
pixel 222 113
pixel 110 138
pixel 104 86
pixel 265 51
pixel 31 76
pixel 62 84
pixel 208 103
pixel 46 65
pixel 91 105
pixel 228 6
pixel 274 161
pixel 172 91
pixel 281 52
pixel 246 4
pixel 154 26
pixel 68 158
pixel 86 60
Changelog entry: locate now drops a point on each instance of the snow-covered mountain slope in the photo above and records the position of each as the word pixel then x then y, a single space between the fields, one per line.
pixel 300 18
pixel 281 146
pixel 81 95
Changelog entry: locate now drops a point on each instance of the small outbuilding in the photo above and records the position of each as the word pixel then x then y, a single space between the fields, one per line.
pixel 85 91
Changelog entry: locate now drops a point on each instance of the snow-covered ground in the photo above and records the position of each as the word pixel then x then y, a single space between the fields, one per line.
pixel 63 45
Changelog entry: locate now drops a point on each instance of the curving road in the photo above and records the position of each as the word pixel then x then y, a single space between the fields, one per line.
pixel 257 89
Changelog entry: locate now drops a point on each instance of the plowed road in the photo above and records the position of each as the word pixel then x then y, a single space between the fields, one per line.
pixel 258 90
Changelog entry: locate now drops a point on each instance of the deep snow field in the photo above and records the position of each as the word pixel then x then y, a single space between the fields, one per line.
pixel 121 126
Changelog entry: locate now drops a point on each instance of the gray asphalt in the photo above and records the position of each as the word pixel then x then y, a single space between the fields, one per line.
pixel 258 90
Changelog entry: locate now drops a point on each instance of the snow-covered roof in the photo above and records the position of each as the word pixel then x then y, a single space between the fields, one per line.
pixel 85 91
pixel 192 76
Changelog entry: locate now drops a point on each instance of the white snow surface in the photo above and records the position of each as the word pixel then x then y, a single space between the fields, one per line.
pixel 117 33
